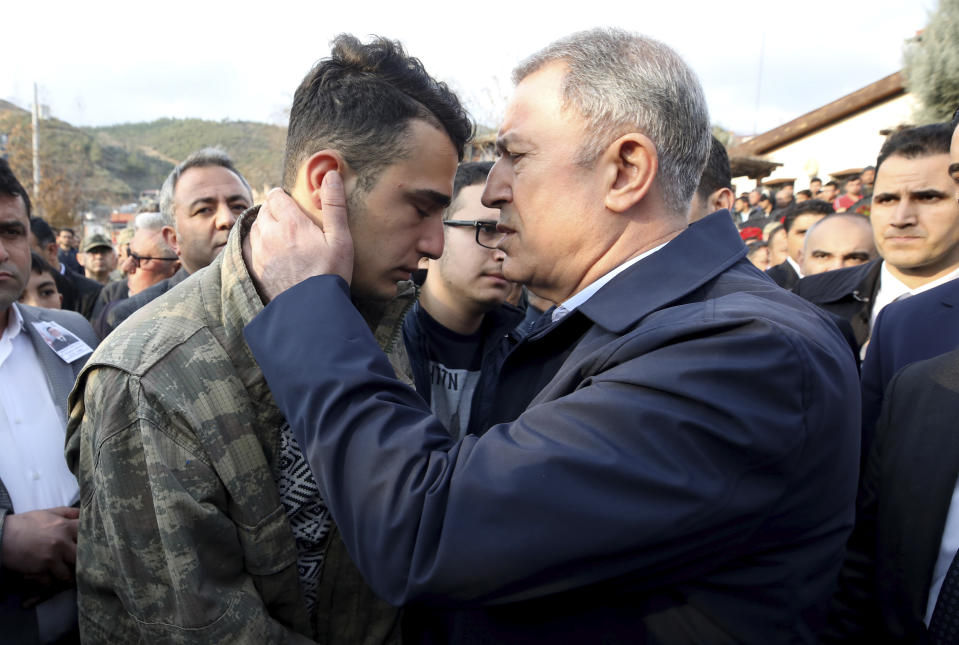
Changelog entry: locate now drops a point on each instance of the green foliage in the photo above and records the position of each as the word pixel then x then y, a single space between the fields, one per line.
pixel 931 65
pixel 256 148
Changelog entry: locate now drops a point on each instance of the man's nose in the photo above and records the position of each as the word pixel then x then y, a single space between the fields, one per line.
pixel 225 217
pixel 497 191
pixel 430 243
pixel 904 214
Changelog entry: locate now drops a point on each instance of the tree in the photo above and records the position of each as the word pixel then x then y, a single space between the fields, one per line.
pixel 60 193
pixel 931 65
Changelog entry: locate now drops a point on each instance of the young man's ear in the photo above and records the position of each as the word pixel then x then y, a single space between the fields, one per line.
pixel 632 161
pixel 315 169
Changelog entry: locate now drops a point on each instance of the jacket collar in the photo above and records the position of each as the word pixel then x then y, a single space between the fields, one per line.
pixel 230 298
pixel 693 258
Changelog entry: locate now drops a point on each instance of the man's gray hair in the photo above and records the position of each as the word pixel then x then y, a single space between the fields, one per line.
pixel 152 221
pixel 622 82
pixel 199 159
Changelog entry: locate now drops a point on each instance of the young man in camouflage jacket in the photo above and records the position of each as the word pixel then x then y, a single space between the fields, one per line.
pixel 200 519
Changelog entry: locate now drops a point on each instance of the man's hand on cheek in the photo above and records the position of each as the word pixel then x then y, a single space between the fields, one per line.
pixel 287 247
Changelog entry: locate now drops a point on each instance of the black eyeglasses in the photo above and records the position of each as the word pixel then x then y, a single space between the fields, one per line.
pixel 137 259
pixel 486 234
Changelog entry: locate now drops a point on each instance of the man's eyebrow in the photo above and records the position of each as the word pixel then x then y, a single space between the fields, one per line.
pixel 927 193
pixel 439 199
pixel 13 226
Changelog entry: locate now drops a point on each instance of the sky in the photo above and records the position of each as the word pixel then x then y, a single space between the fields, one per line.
pixel 761 63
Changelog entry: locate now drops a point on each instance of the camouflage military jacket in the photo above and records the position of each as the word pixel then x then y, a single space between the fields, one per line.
pixel 173 436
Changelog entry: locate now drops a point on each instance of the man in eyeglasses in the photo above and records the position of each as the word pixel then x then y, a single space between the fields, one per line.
pixel 150 259
pixel 455 333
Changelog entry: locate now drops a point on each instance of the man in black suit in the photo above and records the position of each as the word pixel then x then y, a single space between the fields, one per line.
pixel 915 222
pixel 800 218
pixel 906 528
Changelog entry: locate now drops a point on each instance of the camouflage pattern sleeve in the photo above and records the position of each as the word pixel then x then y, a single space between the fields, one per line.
pixel 158 560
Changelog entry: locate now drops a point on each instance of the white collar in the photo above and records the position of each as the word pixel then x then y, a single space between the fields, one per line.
pixel 794 265
pixel 577 300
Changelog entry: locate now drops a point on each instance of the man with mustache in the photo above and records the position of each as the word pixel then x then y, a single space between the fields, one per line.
pixel 203 195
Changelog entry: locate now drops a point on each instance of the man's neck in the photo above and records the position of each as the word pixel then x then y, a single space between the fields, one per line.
pixel 622 251
pixel 454 318
pixel 4 319
pixel 102 278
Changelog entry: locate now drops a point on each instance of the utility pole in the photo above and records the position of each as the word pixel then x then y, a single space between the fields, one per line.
pixel 36 147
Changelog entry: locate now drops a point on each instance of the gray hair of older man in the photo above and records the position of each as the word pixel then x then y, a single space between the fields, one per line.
pixel 622 82
pixel 200 159
pixel 152 221
pixel 155 223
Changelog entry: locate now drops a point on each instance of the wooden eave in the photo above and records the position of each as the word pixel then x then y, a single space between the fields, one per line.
pixel 885 89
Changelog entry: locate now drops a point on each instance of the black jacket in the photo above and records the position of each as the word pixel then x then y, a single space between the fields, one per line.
pixel 123 309
pixel 906 490
pixel 500 336
pixel 783 274
pixel 79 292
pixel 848 293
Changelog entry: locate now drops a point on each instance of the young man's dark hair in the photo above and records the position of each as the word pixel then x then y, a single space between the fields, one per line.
pixel 831 183
pixel 805 193
pixel 467 174
pixel 470 174
pixel 813 206
pixel 716 174
pixel 922 141
pixel 39 265
pixel 11 186
pixel 42 231
pixel 382 90
pixel 815 179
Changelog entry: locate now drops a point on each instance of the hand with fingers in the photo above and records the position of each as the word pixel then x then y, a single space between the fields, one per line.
pixel 42 544
pixel 287 246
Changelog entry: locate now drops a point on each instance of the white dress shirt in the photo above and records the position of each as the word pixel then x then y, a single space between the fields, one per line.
pixel 795 266
pixel 32 428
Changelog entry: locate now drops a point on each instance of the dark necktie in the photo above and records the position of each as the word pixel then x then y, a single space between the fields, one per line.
pixel 944 624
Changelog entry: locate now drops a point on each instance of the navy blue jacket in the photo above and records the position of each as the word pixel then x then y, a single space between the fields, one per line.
pixel 500 336
pixel 649 492
pixel 914 329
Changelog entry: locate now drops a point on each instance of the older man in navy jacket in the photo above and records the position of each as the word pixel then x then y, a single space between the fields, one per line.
pixel 677 455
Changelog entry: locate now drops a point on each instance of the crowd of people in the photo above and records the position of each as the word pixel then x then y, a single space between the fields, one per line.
pixel 584 393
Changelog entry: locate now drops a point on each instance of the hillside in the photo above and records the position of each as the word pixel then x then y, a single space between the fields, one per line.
pixel 256 148
pixel 110 165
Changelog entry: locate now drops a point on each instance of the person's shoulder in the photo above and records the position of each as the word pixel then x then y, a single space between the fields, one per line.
pixel 147 335
pixel 906 310
pixel 942 370
pixel 82 283
pixel 832 285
